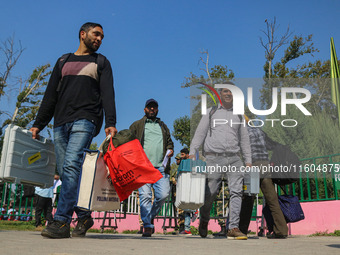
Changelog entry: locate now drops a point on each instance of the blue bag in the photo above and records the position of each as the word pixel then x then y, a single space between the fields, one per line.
pixel 290 207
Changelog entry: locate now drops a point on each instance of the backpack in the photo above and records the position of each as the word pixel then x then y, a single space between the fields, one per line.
pixel 100 60
pixel 289 173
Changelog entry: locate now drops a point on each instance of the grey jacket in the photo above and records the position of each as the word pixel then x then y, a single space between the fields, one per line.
pixel 228 135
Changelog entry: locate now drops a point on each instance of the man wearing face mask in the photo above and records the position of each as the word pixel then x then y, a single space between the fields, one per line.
pixel 80 89
pixel 155 138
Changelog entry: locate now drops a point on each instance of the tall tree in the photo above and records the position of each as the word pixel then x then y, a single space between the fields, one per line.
pixel 214 75
pixel 297 48
pixel 11 54
pixel 182 130
pixel 315 135
pixel 29 91
pixel 29 97
pixel 272 44
pixel 28 101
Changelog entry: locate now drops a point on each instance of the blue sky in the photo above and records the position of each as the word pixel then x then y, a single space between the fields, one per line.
pixel 152 45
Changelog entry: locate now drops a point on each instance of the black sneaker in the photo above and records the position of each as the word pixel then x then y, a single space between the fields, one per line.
pixel 147 232
pixel 203 228
pixel 153 223
pixel 57 229
pixel 82 226
pixel 222 233
pixel 140 230
pixel 276 236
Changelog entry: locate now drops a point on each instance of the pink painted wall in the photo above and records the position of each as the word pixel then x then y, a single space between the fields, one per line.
pixel 319 216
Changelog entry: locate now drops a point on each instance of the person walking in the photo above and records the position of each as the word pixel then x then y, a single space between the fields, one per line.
pixel 155 138
pixel 222 148
pixel 184 216
pixel 260 144
pixel 79 90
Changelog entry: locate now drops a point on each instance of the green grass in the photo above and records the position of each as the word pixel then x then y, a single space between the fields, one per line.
pixel 130 231
pixel 17 225
pixel 325 233
pixel 106 231
pixel 194 231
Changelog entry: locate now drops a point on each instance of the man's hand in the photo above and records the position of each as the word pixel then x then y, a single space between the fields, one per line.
pixel 111 130
pixel 35 132
pixel 171 153
pixel 248 165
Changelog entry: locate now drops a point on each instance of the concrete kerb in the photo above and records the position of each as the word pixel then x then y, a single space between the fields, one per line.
pixel 28 242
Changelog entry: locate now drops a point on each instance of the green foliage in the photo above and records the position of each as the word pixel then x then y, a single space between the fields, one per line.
pixel 315 135
pixel 94 146
pixel 218 74
pixel 297 48
pixel 325 233
pixel 29 98
pixel 130 231
pixel 182 130
pixel 194 231
pixel 173 172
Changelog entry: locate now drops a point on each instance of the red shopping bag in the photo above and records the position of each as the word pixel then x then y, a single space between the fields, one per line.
pixel 129 167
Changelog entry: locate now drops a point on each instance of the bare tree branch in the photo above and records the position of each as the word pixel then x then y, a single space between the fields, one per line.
pixel 11 55
pixel 272 43
pixel 206 64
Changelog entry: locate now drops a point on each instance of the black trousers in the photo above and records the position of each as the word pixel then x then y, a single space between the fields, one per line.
pixel 43 205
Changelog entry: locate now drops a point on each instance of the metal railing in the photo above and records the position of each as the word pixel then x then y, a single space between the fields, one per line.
pixel 318 182
pixel 314 186
pixel 14 206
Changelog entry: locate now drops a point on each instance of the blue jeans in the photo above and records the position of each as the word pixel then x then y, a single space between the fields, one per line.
pixel 187 220
pixel 149 210
pixel 70 140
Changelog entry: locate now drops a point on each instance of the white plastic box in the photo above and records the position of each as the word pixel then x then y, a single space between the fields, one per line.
pixel 25 160
pixel 190 188
pixel 251 182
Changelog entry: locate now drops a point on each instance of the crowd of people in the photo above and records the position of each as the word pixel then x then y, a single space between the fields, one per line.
pixel 80 91
pixel 12 213
pixel 44 199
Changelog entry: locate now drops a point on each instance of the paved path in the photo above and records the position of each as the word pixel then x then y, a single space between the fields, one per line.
pixel 28 242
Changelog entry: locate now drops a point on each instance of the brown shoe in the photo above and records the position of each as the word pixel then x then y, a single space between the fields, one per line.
pixel 236 234
pixel 147 232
